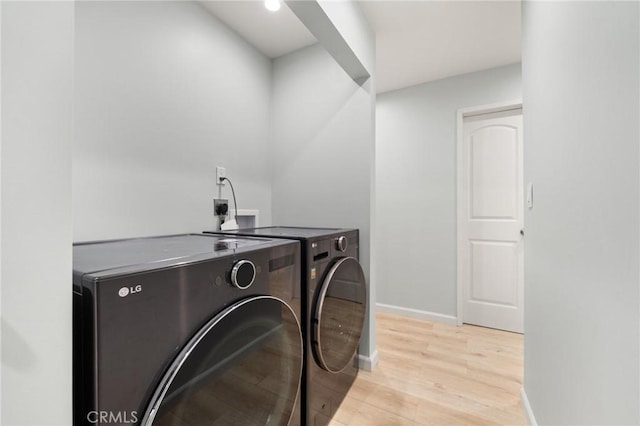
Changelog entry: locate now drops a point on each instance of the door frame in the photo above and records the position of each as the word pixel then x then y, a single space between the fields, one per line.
pixel 460 186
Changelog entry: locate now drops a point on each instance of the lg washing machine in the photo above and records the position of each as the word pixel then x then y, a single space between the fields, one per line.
pixel 187 330
pixel 334 292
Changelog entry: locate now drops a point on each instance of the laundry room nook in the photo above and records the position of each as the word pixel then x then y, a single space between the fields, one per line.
pixel 164 93
pixel 175 112
pixel 319 212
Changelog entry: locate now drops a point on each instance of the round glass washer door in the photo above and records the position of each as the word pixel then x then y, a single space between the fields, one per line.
pixel 243 367
pixel 339 315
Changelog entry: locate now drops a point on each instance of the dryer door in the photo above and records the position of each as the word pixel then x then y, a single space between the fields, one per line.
pixel 243 367
pixel 339 315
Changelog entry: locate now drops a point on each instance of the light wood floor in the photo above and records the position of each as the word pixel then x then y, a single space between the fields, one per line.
pixel 436 374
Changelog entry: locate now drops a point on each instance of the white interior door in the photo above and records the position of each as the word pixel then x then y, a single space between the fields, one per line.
pixel 491 221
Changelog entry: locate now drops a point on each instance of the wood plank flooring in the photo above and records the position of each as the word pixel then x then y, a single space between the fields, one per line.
pixel 436 374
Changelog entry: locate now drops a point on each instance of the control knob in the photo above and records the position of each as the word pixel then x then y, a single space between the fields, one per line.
pixel 242 274
pixel 342 243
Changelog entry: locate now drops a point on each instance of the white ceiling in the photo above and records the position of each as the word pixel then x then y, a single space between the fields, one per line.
pixel 273 33
pixel 419 41
pixel 416 41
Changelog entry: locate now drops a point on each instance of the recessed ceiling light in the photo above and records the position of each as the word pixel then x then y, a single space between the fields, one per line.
pixel 272 5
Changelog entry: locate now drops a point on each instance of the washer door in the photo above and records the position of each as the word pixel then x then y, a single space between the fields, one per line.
pixel 243 367
pixel 339 315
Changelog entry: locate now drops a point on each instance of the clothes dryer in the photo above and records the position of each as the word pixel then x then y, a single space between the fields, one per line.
pixel 187 330
pixel 334 291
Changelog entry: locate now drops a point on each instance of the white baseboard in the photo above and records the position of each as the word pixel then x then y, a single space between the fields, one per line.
pixel 368 363
pixel 416 313
pixel 528 412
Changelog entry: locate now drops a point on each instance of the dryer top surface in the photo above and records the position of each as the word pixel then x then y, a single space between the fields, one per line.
pixel 293 232
pixel 98 256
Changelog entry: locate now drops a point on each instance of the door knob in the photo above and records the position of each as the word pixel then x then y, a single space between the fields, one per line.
pixel 522 232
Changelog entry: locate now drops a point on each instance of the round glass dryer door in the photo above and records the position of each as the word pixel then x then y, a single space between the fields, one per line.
pixel 339 315
pixel 243 367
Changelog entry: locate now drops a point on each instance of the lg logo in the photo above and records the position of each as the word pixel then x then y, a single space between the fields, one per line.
pixel 125 291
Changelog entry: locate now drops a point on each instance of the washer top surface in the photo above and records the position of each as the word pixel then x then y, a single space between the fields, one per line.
pixel 293 232
pixel 155 252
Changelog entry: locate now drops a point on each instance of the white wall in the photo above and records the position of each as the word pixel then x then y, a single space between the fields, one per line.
pixel 164 93
pixel 322 149
pixel 320 168
pixel 37 78
pixel 581 109
pixel 416 185
pixel 0 212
